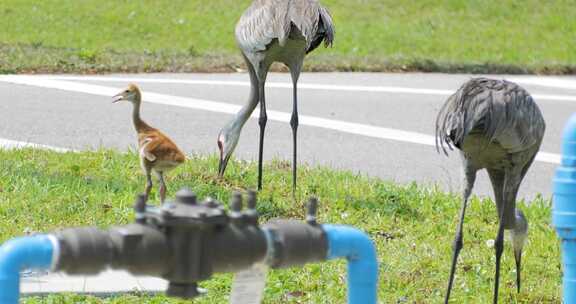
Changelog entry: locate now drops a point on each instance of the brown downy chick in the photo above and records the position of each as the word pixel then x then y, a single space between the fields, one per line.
pixel 157 152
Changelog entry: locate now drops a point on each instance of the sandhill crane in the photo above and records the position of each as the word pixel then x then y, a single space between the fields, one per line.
pixel 497 126
pixel 274 31
pixel 157 152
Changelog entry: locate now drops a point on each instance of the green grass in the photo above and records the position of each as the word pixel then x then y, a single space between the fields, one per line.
pixel 412 226
pixel 87 36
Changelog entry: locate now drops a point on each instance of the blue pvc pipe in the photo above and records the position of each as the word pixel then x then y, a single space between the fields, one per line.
pixel 33 252
pixel 358 249
pixel 564 209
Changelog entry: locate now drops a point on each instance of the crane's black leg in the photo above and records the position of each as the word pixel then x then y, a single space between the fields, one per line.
pixel 470 177
pixel 294 124
pixel 162 187
pixel 148 185
pixel 499 247
pixel 262 122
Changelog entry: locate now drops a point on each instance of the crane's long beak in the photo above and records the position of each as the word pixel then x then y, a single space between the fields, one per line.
pixel 518 258
pixel 116 98
pixel 222 165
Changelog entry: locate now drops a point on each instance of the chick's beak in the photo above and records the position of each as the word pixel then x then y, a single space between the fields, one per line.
pixel 116 98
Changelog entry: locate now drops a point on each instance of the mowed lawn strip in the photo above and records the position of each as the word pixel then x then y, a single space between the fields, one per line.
pixel 412 226
pixel 372 35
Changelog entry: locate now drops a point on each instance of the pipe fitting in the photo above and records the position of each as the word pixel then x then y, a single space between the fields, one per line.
pixel 564 209
pixel 140 249
pixel 356 247
pixel 295 243
pixel 34 252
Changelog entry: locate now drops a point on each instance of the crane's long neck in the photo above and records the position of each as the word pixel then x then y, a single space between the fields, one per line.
pixel 139 124
pixel 244 114
pixel 520 230
pixel 519 236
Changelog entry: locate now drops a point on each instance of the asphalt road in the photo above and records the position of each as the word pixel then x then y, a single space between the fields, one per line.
pixel 371 123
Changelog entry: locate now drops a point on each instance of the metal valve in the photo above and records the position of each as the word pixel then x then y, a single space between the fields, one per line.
pixel 185 242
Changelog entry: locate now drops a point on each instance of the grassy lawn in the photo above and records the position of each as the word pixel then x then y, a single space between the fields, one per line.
pixel 513 36
pixel 412 226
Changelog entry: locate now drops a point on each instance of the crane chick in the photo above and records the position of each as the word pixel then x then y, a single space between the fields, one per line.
pixel 157 152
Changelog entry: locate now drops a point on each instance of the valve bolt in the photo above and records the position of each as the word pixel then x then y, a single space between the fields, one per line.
pixel 186 196
pixel 311 211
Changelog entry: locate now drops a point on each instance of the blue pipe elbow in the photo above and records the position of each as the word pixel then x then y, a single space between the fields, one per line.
pixel 359 250
pixel 564 209
pixel 35 252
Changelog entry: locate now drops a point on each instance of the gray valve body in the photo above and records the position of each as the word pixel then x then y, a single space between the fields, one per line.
pixel 185 242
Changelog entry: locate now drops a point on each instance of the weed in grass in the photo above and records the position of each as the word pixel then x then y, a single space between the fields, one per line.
pixel 87 56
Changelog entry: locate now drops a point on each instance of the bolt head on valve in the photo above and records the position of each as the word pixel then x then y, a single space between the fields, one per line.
pixel 186 196
pixel 311 211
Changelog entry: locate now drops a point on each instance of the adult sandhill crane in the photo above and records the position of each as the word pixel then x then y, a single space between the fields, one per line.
pixel 158 153
pixel 274 31
pixel 497 126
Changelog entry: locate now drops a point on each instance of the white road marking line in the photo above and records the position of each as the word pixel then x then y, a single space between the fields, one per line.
pixel 553 82
pixel 221 107
pixel 271 84
pixel 13 144
pixel 286 85
pixel 551 158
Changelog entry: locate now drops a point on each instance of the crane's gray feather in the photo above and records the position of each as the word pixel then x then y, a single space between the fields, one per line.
pixel 500 110
pixel 325 31
pixel 266 20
